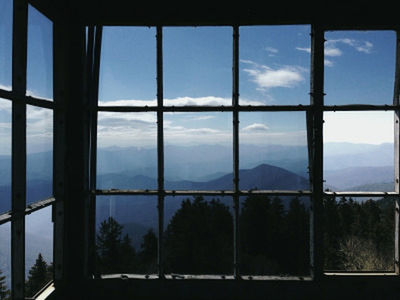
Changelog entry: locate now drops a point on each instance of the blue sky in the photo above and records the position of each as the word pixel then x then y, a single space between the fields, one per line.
pixel 274 69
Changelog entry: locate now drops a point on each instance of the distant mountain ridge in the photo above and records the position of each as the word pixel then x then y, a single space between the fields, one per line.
pixel 263 176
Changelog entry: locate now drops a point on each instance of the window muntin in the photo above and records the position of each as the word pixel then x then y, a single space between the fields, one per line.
pixel 6 17
pixel 274 65
pixel 359 67
pixel 40 55
pixel 197 65
pixel 5 155
pixel 359 151
pixel 128 67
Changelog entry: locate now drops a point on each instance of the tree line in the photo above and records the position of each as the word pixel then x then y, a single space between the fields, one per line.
pixel 199 240
pixel 274 238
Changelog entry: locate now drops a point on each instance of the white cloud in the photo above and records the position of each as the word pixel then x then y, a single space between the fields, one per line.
pixel 360 46
pixel 256 127
pixel 331 50
pixel 271 50
pixel 203 118
pixel 308 50
pixel 266 77
pixel 180 101
pixel 328 63
pixel 366 47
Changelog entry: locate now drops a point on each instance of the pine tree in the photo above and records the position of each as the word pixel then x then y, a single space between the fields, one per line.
pixel 148 253
pixel 4 292
pixel 38 276
pixel 199 238
pixel 114 252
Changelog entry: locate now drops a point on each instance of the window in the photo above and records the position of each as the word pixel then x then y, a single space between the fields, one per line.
pixel 26 116
pixel 253 157
pixel 270 145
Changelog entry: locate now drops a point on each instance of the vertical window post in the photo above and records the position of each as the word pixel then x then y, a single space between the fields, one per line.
pixel 19 55
pixel 93 67
pixel 235 118
pixel 396 101
pixel 160 151
pixel 317 102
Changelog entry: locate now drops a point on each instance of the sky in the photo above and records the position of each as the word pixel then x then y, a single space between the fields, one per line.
pixel 274 69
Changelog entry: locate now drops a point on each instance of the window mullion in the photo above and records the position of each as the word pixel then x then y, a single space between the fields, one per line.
pixel 93 57
pixel 235 118
pixel 396 101
pixel 160 151
pixel 317 101
pixel 20 29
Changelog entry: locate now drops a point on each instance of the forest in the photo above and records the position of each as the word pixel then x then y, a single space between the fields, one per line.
pixel 274 239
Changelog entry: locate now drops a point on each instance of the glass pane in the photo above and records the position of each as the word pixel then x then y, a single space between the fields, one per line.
pixel 358 234
pixel 40 55
pixel 38 250
pixel 5 260
pixel 5 155
pixel 274 65
pixel 198 151
pixel 359 151
pixel 197 66
pixel 39 144
pixel 274 235
pixel 127 150
pixel 128 66
pixel 359 67
pixel 273 151
pixel 198 235
pixel 6 19
pixel 126 234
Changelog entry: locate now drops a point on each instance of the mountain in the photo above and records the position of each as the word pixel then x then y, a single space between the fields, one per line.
pixel 347 155
pixel 196 163
pixel 356 177
pixel 261 177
